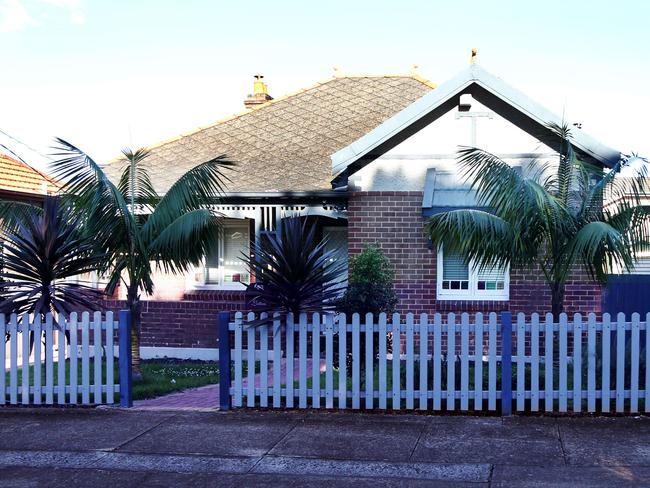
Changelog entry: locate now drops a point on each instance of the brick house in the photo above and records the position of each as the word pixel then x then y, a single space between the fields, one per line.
pixel 368 159
pixel 405 170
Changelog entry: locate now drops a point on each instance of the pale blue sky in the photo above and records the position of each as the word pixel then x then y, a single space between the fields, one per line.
pixel 105 74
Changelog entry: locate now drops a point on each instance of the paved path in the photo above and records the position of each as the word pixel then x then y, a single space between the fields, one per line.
pixel 207 397
pixel 113 447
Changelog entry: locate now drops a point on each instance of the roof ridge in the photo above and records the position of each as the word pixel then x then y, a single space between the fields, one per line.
pixel 416 77
pixel 237 115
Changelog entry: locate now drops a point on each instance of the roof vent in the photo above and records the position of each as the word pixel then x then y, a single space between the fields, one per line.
pixel 260 93
pixel 465 102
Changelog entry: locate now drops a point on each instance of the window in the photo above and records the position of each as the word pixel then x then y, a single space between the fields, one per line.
pixel 224 266
pixel 338 244
pixel 455 273
pixel 460 281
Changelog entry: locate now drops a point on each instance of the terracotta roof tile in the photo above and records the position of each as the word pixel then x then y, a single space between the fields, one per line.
pixel 285 145
pixel 18 176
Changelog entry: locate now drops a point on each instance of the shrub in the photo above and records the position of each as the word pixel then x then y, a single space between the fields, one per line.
pixel 370 287
pixel 293 271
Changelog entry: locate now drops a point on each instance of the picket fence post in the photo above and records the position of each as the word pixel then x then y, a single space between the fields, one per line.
pixel 506 363
pixel 225 402
pixel 126 398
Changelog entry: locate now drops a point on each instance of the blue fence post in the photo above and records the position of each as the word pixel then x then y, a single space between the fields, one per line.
pixel 224 361
pixel 126 391
pixel 506 363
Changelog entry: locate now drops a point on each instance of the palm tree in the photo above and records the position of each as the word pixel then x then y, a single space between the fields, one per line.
pixel 136 227
pixel 555 217
pixel 42 249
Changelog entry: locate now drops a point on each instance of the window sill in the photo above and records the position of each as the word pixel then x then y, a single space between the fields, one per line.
pixel 471 298
pixel 229 286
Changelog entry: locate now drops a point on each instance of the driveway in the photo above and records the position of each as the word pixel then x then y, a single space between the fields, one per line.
pixel 113 447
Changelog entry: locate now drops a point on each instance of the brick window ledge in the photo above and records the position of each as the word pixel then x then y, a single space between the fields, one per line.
pixel 459 306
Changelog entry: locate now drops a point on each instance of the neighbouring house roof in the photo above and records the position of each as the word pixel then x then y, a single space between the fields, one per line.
pixel 16 176
pixel 487 89
pixel 285 144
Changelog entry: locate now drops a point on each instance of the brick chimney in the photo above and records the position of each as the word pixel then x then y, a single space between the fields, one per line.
pixel 260 93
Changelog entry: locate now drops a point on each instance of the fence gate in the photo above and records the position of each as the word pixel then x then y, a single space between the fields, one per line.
pixel 627 293
pixel 439 362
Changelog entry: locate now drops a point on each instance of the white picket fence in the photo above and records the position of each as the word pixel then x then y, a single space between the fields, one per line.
pixel 72 361
pixel 443 362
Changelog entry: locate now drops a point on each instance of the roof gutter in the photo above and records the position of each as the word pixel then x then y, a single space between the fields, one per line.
pixel 336 194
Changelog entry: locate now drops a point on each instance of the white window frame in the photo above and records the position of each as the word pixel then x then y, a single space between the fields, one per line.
pixel 472 293
pixel 202 271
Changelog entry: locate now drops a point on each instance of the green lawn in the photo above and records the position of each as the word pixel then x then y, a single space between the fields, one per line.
pixel 471 377
pixel 443 371
pixel 159 377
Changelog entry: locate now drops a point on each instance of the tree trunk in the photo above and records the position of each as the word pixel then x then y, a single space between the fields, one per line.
pixel 557 299
pixel 133 302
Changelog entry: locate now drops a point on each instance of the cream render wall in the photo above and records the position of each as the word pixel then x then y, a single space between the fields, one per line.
pixel 404 167
pixel 167 286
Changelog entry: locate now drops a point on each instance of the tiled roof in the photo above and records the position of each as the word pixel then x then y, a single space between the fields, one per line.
pixel 18 176
pixel 285 144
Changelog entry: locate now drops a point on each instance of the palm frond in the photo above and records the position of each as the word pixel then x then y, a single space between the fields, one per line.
pixel 88 189
pixel 633 222
pixel 488 174
pixel 12 214
pixel 599 247
pixel 566 167
pixel 505 191
pixel 135 184
pixel 197 188
pixel 476 235
pixel 186 240
pixel 114 273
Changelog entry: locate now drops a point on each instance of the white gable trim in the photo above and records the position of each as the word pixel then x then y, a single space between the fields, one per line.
pixel 488 90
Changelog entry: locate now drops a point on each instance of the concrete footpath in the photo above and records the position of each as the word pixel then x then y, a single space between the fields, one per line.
pixel 112 447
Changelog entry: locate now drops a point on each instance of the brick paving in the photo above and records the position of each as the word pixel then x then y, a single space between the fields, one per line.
pixel 207 397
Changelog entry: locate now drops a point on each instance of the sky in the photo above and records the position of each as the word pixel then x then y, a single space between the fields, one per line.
pixel 108 74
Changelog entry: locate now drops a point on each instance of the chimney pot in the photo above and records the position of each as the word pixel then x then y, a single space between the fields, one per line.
pixel 260 93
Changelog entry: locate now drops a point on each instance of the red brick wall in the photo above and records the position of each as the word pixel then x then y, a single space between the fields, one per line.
pixel 394 221
pixel 530 293
pixel 183 323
